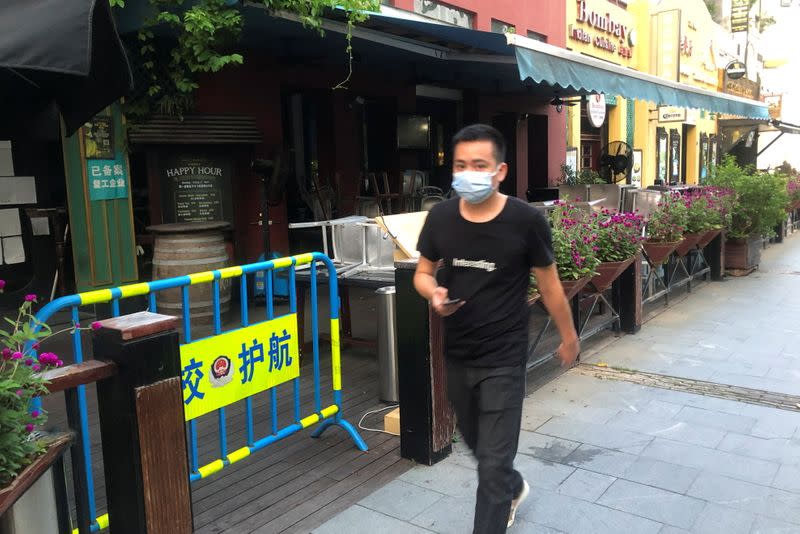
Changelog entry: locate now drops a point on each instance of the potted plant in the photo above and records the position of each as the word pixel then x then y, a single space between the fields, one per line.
pixel 698 220
pixel 720 202
pixel 26 455
pixel 760 201
pixel 665 228
pixel 619 237
pixel 574 246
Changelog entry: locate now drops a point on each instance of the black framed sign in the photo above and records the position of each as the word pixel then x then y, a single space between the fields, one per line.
pixel 674 157
pixel 98 138
pixel 196 187
pixel 662 157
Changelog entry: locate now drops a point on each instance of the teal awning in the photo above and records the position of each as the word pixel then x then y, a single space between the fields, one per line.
pixel 577 73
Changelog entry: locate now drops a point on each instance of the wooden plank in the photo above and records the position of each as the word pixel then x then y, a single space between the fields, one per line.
pixel 350 498
pixel 329 495
pixel 248 517
pixel 165 475
pixel 76 374
pixel 136 325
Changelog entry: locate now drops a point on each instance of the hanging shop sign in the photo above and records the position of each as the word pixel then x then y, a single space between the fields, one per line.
pixel 740 15
pixel 775 103
pixel 108 179
pixel 744 88
pixel 596 110
pixel 444 13
pixel 671 114
pixel 601 29
pixel 196 188
pixel 735 70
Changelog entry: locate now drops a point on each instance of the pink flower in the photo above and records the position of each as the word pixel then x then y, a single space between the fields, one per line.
pixel 28 362
pixel 20 393
pixel 30 298
pixel 16 356
pixel 2 285
pixel 96 325
pixel 35 413
pixel 29 428
pixel 36 367
pixel 6 353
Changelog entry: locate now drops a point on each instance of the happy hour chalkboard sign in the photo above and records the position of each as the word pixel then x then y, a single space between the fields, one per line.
pixel 197 188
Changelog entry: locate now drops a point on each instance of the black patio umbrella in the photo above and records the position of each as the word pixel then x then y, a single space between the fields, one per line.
pixel 66 53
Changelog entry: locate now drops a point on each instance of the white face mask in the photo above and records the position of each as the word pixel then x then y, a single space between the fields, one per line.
pixel 473 186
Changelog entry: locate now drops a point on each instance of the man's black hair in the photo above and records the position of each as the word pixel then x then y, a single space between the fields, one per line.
pixel 483 132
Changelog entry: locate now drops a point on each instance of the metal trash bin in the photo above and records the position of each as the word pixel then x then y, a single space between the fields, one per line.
pixel 387 344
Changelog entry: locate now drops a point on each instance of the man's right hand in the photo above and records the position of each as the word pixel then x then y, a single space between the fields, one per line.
pixel 438 299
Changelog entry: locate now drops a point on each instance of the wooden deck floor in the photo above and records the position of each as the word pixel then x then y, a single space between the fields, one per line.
pixel 293 485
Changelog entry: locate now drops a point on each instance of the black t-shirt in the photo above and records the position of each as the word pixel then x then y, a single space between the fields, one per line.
pixel 488 265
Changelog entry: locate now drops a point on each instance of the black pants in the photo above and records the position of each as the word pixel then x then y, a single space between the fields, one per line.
pixel 488 405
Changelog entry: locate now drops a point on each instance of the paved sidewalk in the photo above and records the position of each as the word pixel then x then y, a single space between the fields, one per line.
pixel 609 456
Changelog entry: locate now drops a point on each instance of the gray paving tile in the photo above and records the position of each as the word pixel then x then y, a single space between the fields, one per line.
pixel 545 447
pixel 444 477
pixel 525 527
pixel 720 462
pixel 451 515
pixel 540 473
pixel 669 529
pixel 654 503
pixel 401 500
pixel 754 498
pixel 586 485
pixel 713 419
pixel 531 420
pixel 593 434
pixel 788 478
pixel 575 516
pixel 599 460
pixel 660 409
pixel 669 429
pixel 775 450
pixel 660 474
pixel 715 519
pixel 774 428
pixel 360 520
pixel 767 525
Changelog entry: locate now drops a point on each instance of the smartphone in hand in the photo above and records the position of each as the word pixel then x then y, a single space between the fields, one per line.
pixel 451 302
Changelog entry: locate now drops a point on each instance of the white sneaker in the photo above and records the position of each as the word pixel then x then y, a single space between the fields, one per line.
pixel 526 489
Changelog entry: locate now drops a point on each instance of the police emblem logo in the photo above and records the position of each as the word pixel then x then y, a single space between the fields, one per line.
pixel 220 371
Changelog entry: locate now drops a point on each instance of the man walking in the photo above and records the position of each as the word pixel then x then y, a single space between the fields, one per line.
pixel 488 243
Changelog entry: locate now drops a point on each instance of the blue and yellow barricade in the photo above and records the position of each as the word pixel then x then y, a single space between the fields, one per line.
pixel 229 367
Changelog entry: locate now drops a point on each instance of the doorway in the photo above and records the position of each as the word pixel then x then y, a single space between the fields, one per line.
pixel 537 152
pixel 507 125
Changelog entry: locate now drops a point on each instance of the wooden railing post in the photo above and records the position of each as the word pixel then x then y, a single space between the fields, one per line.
pixel 142 426
pixel 426 418
pixel 626 294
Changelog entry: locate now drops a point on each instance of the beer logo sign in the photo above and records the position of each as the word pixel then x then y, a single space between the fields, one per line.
pixel 220 371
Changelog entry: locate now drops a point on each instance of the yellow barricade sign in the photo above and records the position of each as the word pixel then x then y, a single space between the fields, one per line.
pixel 223 369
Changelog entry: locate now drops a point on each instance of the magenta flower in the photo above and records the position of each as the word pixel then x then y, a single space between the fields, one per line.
pixel 35 413
pixel 30 298
pixel 36 367
pixel 2 285
pixel 96 325
pixel 19 393
pixel 28 362
pixel 29 428
pixel 16 356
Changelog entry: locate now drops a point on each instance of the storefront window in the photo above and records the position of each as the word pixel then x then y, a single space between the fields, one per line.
pixel 704 162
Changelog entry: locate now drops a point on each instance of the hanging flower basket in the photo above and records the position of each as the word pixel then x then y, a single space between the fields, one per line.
pixel 658 251
pixel 708 237
pixel 609 271
pixel 573 287
pixel 688 243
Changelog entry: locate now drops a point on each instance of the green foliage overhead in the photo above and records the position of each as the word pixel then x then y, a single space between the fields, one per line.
pixel 206 37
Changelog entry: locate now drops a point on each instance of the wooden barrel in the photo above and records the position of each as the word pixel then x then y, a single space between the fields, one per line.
pixel 187 248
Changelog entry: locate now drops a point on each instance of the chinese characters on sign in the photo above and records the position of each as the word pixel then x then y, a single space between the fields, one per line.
pixel 107 178
pixel 223 369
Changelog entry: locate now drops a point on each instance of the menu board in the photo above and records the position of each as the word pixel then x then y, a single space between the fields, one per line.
pixel 197 188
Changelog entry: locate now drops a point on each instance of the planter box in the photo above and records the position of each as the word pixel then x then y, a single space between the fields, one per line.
pixel 743 254
pixel 29 503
